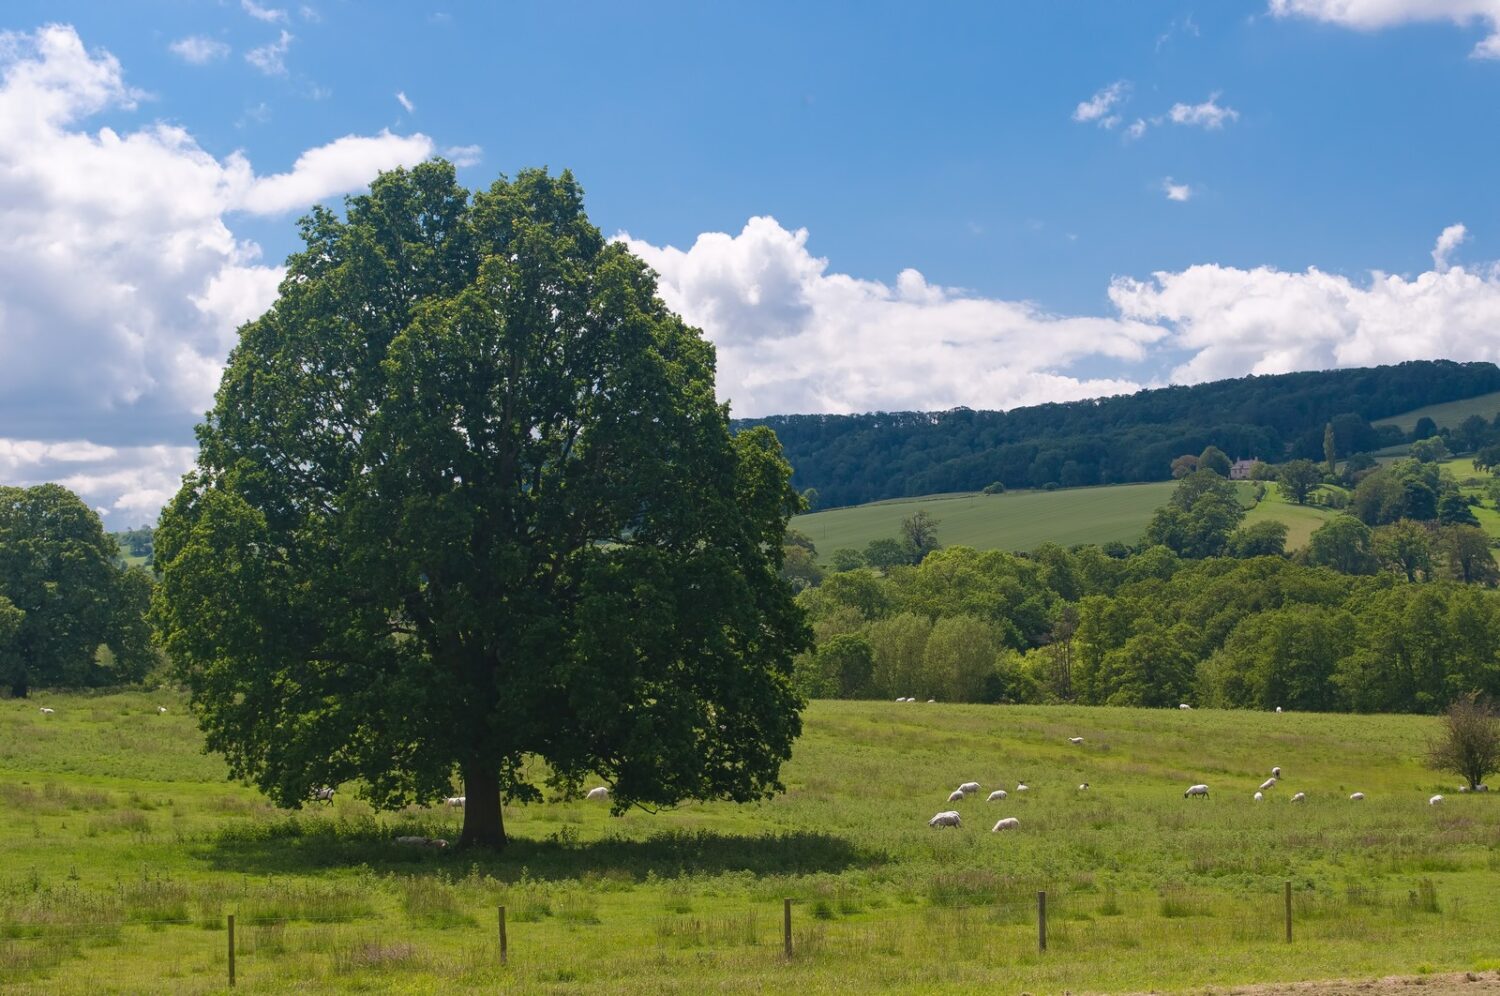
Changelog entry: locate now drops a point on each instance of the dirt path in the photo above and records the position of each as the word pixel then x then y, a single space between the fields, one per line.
pixel 1448 984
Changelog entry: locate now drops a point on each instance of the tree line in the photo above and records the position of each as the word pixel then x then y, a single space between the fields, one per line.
pixel 852 459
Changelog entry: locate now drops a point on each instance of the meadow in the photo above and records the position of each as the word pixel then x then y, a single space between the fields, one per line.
pixel 1449 414
pixel 123 849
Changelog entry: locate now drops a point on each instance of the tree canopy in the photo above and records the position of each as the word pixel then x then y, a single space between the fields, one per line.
pixel 466 498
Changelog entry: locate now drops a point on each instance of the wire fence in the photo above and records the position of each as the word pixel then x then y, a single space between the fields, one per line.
pixel 834 924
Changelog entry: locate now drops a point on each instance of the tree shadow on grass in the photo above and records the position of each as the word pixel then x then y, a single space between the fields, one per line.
pixel 301 845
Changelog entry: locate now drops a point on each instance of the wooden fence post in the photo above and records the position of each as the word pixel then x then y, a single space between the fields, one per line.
pixel 231 951
pixel 1041 920
pixel 504 951
pixel 786 926
pixel 1289 912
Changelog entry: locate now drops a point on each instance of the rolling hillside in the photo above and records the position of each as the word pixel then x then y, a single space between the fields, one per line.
pixel 1449 414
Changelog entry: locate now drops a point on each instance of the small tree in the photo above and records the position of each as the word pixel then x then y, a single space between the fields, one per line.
pixel 919 535
pixel 1468 744
pixel 1297 479
pixel 1214 459
pixel 1183 466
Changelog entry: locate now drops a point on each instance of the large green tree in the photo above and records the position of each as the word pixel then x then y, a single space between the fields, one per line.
pixel 466 498
pixel 1197 520
pixel 67 597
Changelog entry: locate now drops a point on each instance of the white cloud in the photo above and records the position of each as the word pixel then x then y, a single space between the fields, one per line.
pixel 1136 130
pixel 1235 321
pixel 1097 108
pixel 1450 239
pixel 127 486
pixel 270 58
pixel 198 50
pixel 1371 15
pixel 121 281
pixel 794 337
pixel 405 101
pixel 1176 191
pixel 1207 114
pixel 267 14
pixel 310 14
pixel 464 155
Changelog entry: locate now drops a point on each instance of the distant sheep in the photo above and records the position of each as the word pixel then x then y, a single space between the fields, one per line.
pixel 598 793
pixel 1022 787
pixel 996 796
pixel 1300 797
pixel 968 788
pixel 1357 797
pixel 1184 706
pixel 1481 788
pixel 931 701
pixel 1084 787
pixel 1196 790
pixel 1268 784
pixel 1463 788
pixel 1075 740
pixel 1278 708
pixel 948 818
pixel 1259 796
pixel 323 793
pixel 46 711
pixel 161 710
pixel 456 801
pixel 957 795
pixel 1434 800
pixel 1275 772
pixel 1009 823
pixel 437 843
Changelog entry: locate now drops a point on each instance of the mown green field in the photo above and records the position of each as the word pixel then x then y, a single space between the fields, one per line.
pixel 122 850
pixel 1450 413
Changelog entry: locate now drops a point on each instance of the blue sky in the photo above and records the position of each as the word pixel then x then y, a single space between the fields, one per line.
pixel 982 204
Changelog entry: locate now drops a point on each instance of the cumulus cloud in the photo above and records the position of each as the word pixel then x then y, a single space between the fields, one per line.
pixel 1176 191
pixel 1232 321
pixel 1370 15
pixel 270 58
pixel 126 485
pixel 121 282
pixel 464 155
pixel 1098 107
pixel 405 101
pixel 198 50
pixel 1205 115
pixel 268 14
pixel 1450 239
pixel 794 337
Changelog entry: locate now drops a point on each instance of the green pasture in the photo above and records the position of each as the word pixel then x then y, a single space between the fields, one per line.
pixel 1449 413
pixel 123 849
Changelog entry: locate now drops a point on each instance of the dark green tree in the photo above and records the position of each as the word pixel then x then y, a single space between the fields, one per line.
pixel 1453 509
pixel 1469 743
pixel 847 665
pixel 1330 450
pixel 845 559
pixel 1261 539
pixel 1297 479
pixel 885 553
pixel 1425 428
pixel 1344 544
pixel 1405 548
pixel 1214 459
pixel 1199 517
pixel 1488 457
pixel 465 499
pixel 57 569
pixel 1430 450
pixel 919 535
pixel 1474 433
pixel 1467 550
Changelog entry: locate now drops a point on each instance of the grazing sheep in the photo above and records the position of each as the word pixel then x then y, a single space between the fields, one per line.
pixel 931 701
pixel 1199 790
pixel 957 795
pixel 947 818
pixel 996 796
pixel 1184 706
pixel 1300 797
pixel 456 801
pixel 46 711
pixel 1278 708
pixel 1275 772
pixel 1434 800
pixel 1481 788
pixel 1084 787
pixel 969 787
pixel 1357 797
pixel 1268 784
pixel 1259 796
pixel 598 793
pixel 1009 823
pixel 323 793
pixel 161 710
pixel 1022 787
pixel 434 842
pixel 1075 740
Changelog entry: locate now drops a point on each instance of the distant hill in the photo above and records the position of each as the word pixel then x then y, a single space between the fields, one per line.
pixel 1449 414
pixel 854 459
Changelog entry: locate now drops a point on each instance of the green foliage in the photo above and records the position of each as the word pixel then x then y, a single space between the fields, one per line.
pixel 847 666
pixel 1405 489
pixel 466 501
pixel 61 596
pixel 1469 743
pixel 1183 466
pixel 1298 478
pixel 1199 517
pixel 1405 548
pixel 919 535
pixel 845 559
pixel 1214 459
pixel 994 488
pixel 1266 538
pixel 1429 450
pixel 883 554
pixel 1425 428
pixel 1330 450
pixel 1344 544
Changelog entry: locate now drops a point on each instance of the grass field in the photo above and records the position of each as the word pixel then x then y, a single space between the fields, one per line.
pixel 1301 520
pixel 1450 413
pixel 123 849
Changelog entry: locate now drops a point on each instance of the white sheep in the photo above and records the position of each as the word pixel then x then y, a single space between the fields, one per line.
pixel 456 801
pixel 968 788
pixel 901 698
pixel 1184 706
pixel 1481 787
pixel 1075 740
pixel 433 842
pixel 1275 772
pixel 996 796
pixel 1357 797
pixel 1463 788
pixel 46 711
pixel 1022 787
pixel 931 701
pixel 1196 790
pixel 957 795
pixel 1434 800
pixel 947 818
pixel 598 793
pixel 1300 797
pixel 323 793
pixel 1268 784
pixel 161 710
pixel 1009 823
pixel 1084 787
pixel 1259 796
pixel 1278 708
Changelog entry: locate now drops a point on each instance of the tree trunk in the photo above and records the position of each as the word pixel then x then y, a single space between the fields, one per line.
pixel 483 824
pixel 20 688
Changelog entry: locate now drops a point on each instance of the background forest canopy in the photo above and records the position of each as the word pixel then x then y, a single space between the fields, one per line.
pixel 852 459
